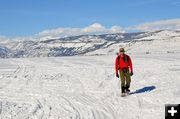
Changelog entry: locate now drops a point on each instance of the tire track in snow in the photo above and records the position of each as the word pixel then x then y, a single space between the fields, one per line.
pixel 78 116
pixel 99 109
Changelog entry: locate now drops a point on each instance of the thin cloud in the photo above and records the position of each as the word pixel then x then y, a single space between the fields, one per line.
pixel 4 38
pixel 95 28
pixel 170 24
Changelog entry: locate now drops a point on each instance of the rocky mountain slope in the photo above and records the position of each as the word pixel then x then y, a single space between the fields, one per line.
pixel 90 44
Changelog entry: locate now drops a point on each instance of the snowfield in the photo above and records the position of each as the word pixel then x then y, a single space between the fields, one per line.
pixel 85 87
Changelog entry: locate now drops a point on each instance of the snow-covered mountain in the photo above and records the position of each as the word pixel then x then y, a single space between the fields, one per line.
pixel 142 42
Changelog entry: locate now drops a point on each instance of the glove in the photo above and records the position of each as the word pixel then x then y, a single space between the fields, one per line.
pixel 131 73
pixel 117 75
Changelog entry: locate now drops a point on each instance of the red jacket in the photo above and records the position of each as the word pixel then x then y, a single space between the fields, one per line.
pixel 120 63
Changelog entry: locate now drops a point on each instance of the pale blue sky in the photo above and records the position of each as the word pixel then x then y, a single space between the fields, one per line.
pixel 28 17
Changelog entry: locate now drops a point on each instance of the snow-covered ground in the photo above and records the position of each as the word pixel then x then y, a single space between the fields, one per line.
pixel 85 87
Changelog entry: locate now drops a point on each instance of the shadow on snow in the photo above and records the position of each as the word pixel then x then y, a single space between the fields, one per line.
pixel 143 90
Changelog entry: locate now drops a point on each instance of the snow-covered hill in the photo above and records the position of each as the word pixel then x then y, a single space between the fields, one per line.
pixel 157 42
pixel 144 42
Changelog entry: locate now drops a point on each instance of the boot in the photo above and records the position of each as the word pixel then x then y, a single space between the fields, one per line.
pixel 123 94
pixel 123 89
pixel 127 88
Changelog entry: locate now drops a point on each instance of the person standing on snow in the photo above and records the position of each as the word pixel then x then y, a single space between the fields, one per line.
pixel 123 64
